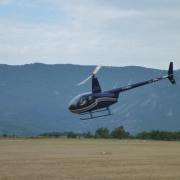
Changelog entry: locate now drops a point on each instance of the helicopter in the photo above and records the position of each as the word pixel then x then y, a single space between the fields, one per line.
pixel 89 105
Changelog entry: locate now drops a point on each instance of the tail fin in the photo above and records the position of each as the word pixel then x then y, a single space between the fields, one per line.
pixel 171 73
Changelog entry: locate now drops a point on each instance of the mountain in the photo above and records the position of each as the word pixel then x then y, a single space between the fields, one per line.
pixel 34 99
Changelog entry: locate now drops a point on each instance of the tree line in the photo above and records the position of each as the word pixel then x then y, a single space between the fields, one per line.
pixel 119 133
pixel 116 133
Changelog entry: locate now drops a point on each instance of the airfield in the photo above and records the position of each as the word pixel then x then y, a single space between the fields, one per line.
pixel 88 159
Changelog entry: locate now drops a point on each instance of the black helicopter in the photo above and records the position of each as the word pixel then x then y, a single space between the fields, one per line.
pixel 98 100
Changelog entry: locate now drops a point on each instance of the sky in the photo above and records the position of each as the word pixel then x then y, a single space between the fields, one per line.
pixel 113 33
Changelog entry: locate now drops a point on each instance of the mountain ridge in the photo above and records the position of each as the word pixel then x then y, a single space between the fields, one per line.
pixel 34 99
pixel 81 65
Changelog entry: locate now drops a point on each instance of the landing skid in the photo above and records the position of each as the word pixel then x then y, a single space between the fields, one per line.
pixel 91 113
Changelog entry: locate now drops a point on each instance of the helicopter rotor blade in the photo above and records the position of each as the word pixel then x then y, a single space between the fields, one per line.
pixel 89 77
pixel 84 81
pixel 96 69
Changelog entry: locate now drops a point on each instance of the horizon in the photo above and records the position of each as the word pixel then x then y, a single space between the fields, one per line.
pixel 84 65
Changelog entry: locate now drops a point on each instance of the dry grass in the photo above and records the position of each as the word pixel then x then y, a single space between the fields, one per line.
pixel 56 159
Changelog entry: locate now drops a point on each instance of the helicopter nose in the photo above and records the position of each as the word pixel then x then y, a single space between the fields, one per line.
pixel 70 107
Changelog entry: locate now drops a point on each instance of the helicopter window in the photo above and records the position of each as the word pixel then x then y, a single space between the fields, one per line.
pixel 90 98
pixel 75 100
pixel 83 101
pixel 79 100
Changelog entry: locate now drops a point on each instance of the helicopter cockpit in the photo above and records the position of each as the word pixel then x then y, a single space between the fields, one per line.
pixel 80 101
pixel 75 100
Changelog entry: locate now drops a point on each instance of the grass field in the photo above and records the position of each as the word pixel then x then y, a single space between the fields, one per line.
pixel 56 159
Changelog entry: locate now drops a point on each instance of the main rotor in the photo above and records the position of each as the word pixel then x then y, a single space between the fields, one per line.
pixel 96 70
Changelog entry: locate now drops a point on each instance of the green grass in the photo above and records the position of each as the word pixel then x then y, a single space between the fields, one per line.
pixel 82 159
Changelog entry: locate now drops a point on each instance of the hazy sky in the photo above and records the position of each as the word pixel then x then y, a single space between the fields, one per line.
pixel 107 32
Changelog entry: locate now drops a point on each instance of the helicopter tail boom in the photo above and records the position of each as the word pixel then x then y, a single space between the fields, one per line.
pixel 170 76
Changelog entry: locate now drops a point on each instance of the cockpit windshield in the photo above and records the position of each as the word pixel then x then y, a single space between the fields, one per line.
pixel 80 100
pixel 75 100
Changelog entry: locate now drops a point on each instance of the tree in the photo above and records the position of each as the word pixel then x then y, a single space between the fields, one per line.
pixel 119 133
pixel 88 135
pixel 4 135
pixel 159 135
pixel 102 133
pixel 71 135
